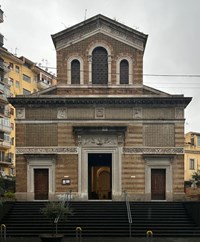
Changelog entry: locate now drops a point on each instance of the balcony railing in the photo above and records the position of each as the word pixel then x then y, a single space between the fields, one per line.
pixel 5 144
pixel 43 85
pixel 1 16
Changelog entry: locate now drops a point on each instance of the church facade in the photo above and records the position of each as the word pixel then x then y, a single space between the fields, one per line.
pixel 100 131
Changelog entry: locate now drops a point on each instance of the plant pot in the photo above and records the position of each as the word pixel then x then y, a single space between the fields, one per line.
pixel 51 237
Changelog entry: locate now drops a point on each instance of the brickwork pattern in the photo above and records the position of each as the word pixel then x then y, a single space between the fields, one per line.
pixel 67 165
pixel 21 173
pixel 159 135
pixel 41 135
pixel 133 175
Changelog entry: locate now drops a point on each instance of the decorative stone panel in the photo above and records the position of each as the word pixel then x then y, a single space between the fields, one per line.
pixel 62 113
pixel 20 113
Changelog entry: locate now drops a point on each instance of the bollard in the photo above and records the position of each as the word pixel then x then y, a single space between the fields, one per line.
pixel 149 236
pixel 78 234
pixel 3 232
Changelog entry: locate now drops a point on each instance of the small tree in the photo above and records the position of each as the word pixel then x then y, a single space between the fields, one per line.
pixel 56 211
pixel 196 177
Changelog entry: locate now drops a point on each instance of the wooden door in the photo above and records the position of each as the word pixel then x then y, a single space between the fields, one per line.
pixel 41 184
pixel 158 184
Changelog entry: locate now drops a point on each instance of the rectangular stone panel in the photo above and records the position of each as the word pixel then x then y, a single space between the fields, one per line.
pixel 159 135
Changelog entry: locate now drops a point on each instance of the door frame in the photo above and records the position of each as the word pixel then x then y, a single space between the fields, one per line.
pixel 83 171
pixel 158 163
pixel 40 162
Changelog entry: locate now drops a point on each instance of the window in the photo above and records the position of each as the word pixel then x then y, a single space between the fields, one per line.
pixel 124 72
pixel 17 69
pixel 26 92
pixel 12 141
pixel 99 66
pixel 198 140
pixel 17 84
pixel 10 65
pixel 191 164
pixel 75 72
pixel 7 137
pixel 12 111
pixel 2 155
pixel 10 82
pixel 26 78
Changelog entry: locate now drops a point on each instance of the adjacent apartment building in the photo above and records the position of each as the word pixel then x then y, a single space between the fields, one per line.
pixel 18 76
pixel 100 131
pixel 192 154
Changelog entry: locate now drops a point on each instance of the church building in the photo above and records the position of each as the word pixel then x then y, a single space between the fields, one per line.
pixel 100 131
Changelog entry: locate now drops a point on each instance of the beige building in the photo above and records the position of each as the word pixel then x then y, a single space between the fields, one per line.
pixel 100 131
pixel 192 154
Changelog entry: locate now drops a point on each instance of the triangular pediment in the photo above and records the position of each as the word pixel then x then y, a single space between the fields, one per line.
pixel 100 24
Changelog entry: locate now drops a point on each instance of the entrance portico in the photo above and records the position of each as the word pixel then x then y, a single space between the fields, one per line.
pixel 100 143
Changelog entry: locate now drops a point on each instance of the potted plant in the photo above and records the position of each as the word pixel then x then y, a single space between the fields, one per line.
pixel 55 211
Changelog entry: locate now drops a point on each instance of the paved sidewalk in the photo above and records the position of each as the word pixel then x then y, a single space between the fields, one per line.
pixel 99 239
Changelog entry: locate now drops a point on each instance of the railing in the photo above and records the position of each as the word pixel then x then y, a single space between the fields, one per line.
pixel 149 236
pixel 67 198
pixel 3 232
pixel 78 234
pixel 128 213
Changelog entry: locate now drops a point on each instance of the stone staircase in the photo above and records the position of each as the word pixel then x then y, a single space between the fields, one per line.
pixel 104 219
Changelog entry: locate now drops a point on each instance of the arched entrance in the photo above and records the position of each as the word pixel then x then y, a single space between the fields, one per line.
pixel 99 176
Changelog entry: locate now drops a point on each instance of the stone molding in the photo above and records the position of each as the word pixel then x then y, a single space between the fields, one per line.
pixel 100 140
pixel 47 150
pixel 150 150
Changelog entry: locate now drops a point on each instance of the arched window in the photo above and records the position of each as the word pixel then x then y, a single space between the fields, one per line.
pixel 124 72
pixel 99 66
pixel 75 72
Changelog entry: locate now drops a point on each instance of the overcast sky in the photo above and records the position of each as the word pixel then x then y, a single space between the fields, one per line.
pixel 173 45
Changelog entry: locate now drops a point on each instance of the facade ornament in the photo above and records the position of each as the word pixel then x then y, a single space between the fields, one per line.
pixel 99 140
pixel 47 150
pixel 156 150
pixel 20 113
pixel 137 113
pixel 99 113
pixel 62 113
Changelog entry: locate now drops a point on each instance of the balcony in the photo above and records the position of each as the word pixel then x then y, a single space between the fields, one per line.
pixel 1 16
pixel 4 144
pixel 43 84
pixel 1 40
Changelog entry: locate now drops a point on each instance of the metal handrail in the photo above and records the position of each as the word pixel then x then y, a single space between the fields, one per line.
pixel 3 232
pixel 128 212
pixel 67 198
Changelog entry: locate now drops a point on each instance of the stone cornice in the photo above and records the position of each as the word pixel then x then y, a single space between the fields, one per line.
pixel 22 101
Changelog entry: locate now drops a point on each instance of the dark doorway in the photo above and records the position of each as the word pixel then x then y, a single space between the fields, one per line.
pixel 158 184
pixel 100 176
pixel 41 184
